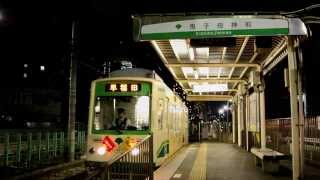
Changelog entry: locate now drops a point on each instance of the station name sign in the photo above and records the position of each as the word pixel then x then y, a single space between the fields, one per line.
pixel 214 27
pixel 122 87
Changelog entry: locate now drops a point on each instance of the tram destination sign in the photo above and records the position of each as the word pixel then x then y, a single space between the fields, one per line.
pixel 123 87
pixel 214 27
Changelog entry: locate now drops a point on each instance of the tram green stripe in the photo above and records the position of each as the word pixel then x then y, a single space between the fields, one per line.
pixel 125 132
pixel 218 33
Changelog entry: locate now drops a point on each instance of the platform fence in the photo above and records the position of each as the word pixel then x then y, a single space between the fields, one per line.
pixel 29 149
pixel 278 133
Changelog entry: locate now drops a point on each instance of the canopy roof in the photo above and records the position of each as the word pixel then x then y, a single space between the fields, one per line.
pixel 214 67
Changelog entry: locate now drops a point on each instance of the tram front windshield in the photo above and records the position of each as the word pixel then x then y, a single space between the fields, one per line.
pixel 121 113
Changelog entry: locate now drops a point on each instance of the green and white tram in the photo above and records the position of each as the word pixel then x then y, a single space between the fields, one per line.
pixel 128 107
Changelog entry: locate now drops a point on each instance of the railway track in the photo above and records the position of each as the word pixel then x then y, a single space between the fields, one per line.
pixel 73 170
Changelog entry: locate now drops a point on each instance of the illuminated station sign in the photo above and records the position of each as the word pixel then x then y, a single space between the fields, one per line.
pixel 122 87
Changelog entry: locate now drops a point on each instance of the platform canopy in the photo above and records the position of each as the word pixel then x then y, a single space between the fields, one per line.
pixel 210 55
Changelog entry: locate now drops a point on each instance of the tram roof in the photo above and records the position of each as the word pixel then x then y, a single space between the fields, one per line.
pixel 195 57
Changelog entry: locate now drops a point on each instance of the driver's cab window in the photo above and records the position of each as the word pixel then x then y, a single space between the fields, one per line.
pixel 122 113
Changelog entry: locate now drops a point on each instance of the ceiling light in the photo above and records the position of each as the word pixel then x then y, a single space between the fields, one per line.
pixel 191 54
pixel 180 48
pixel 209 87
pixel 202 52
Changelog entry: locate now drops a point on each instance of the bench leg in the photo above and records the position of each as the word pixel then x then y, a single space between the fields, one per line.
pixel 270 166
pixel 257 161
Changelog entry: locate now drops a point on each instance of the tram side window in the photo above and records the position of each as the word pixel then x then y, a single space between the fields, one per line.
pixel 166 112
pixel 160 113
pixel 122 113
pixel 171 117
pixel 178 120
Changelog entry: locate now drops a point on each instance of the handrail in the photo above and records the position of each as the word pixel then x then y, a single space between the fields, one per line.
pixel 129 165
pixel 116 158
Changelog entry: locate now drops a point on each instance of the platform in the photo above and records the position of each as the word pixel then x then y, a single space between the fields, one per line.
pixel 217 161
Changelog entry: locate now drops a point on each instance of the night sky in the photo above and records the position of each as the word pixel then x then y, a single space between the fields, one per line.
pixel 39 33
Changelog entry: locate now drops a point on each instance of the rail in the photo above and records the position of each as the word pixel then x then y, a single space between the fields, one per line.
pixel 134 164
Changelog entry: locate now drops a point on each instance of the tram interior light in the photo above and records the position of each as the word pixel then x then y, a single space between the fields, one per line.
pixel 209 87
pixel 97 107
pixel 142 111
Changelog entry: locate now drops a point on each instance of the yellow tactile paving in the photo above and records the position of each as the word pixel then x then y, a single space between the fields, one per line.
pixel 199 169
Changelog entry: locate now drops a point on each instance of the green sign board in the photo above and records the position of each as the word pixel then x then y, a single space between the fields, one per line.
pixel 123 88
pixel 214 27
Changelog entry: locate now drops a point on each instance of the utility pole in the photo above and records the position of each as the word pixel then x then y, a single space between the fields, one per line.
pixel 72 96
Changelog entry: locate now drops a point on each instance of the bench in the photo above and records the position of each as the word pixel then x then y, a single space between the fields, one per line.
pixel 268 159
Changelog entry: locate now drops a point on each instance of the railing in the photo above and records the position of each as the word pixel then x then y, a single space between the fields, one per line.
pixel 32 149
pixel 134 164
pixel 278 132
pixel 279 136
pixel 312 139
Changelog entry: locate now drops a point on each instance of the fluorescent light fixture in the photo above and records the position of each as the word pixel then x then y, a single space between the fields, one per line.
pixel 191 54
pixel 202 52
pixel 196 74
pixel 180 48
pixel 187 70
pixel 210 87
pixel 203 71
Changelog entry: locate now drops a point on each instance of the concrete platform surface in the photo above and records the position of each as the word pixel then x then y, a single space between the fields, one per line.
pixel 216 161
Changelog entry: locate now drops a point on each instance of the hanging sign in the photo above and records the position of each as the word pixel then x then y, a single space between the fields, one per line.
pixel 215 27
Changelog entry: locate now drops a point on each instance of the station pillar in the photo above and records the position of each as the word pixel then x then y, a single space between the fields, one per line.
pixel 292 66
pixel 262 117
pixel 240 114
pixel 247 120
pixel 233 123
pixel 301 111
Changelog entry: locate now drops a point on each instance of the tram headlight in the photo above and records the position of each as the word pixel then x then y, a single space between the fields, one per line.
pixel 135 152
pixel 101 150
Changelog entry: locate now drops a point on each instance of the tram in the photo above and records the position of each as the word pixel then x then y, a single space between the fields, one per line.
pixel 131 105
